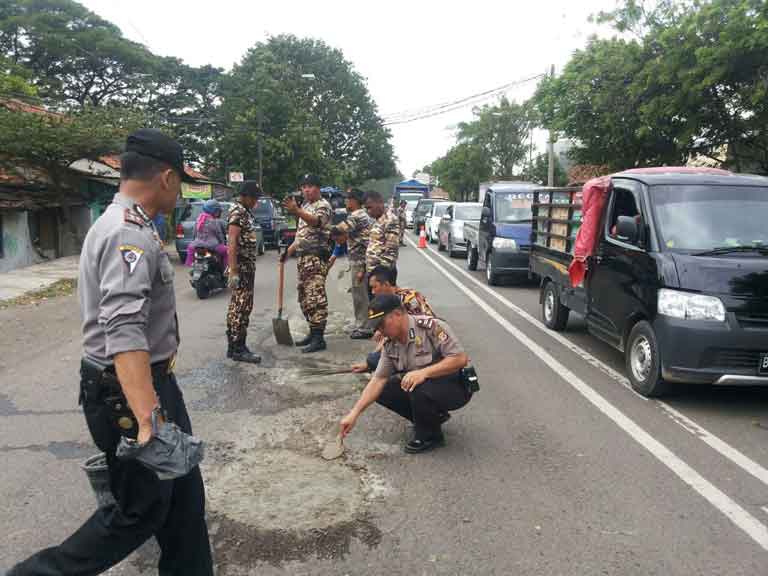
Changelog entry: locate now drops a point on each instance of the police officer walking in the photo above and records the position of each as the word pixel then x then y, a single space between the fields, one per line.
pixel 130 337
pixel 243 248
pixel 356 228
pixel 384 237
pixel 312 246
pixel 419 375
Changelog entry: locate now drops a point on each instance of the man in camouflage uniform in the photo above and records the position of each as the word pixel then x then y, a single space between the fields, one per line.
pixel 356 228
pixel 419 375
pixel 312 246
pixel 401 217
pixel 243 247
pixel 384 237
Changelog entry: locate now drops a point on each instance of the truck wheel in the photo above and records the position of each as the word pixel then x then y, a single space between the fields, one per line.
pixel 471 257
pixel 644 361
pixel 451 252
pixel 490 275
pixel 261 249
pixel 440 247
pixel 554 313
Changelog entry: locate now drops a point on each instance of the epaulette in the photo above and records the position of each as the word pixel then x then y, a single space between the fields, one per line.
pixel 133 218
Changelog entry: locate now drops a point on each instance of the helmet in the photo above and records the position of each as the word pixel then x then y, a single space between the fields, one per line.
pixel 211 207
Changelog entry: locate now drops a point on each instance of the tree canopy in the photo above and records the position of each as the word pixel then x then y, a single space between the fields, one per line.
pixel 73 60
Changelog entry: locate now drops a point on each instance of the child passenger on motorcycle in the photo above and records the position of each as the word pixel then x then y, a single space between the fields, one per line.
pixel 209 233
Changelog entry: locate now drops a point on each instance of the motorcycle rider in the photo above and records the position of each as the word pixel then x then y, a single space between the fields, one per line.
pixel 209 233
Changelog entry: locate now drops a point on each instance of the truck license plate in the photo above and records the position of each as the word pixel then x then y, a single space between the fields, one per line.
pixel 763 368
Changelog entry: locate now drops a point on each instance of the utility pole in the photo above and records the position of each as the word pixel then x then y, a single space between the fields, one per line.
pixel 551 147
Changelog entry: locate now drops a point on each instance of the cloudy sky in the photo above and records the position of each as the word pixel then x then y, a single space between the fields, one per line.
pixel 414 54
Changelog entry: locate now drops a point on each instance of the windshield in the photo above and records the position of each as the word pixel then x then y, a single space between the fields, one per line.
pixel 263 207
pixel 700 218
pixel 467 212
pixel 408 196
pixel 411 205
pixel 514 207
pixel 423 206
pixel 440 210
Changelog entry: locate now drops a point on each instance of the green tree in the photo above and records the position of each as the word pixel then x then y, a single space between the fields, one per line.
pixel 327 124
pixel 461 170
pixel 539 172
pixel 502 131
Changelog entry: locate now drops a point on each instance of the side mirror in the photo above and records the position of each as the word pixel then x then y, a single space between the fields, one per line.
pixel 626 229
pixel 485 215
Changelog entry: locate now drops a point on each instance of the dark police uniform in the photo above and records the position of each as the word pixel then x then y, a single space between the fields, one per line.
pixel 429 341
pixel 128 304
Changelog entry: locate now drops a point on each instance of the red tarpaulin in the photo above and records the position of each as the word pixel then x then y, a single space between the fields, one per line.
pixel 594 194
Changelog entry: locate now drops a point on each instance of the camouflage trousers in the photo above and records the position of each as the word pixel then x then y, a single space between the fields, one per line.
pixel 312 297
pixel 241 305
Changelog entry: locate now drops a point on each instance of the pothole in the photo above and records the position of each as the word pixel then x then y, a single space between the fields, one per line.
pixel 283 490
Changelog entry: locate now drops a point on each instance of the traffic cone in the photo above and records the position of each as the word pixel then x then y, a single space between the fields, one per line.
pixel 422 238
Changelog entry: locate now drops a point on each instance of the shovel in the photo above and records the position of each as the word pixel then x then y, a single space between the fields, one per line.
pixel 280 324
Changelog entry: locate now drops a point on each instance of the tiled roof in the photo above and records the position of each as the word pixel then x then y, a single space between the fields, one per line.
pixel 113 162
pixel 20 106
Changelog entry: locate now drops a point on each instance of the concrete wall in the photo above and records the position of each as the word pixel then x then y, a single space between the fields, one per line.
pixel 17 244
pixel 72 243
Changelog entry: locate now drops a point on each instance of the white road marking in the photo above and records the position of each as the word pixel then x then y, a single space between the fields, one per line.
pixel 738 515
pixel 721 446
pixel 764 509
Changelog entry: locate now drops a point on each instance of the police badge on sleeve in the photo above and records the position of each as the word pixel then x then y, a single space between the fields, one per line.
pixel 131 256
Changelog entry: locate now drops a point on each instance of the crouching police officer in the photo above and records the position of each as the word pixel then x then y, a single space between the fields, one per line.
pixel 421 376
pixel 130 337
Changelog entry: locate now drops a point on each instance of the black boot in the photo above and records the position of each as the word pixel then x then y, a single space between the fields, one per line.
pixel 316 342
pixel 239 353
pixel 304 341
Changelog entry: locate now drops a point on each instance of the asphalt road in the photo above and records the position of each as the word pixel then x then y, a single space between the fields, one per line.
pixel 555 467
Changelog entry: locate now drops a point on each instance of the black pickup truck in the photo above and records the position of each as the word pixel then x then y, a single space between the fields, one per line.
pixel 677 278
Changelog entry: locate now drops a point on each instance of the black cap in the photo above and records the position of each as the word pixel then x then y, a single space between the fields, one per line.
pixel 250 188
pixel 380 306
pixel 310 180
pixel 160 146
pixel 356 194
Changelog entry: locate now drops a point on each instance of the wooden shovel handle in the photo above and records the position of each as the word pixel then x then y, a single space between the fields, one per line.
pixel 280 289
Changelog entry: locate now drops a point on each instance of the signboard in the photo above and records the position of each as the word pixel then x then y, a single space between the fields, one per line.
pixel 236 177
pixel 196 191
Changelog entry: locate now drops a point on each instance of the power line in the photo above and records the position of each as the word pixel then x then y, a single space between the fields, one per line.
pixel 436 110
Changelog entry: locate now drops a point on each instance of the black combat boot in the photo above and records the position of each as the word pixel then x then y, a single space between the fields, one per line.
pixel 316 341
pixel 304 341
pixel 239 353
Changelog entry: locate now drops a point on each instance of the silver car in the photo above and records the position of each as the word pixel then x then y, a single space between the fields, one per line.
pixel 450 233
pixel 436 214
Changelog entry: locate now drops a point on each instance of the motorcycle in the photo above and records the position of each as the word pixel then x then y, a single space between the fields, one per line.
pixel 208 274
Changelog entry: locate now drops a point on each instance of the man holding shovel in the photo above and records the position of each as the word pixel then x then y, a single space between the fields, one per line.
pixel 312 246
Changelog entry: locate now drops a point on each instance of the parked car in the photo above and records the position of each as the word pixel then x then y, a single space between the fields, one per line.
pixel 501 240
pixel 450 231
pixel 433 219
pixel 186 214
pixel 269 214
pixel 676 276
pixel 421 213
pixel 287 233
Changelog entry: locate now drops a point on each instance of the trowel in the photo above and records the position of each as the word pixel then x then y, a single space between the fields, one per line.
pixel 334 448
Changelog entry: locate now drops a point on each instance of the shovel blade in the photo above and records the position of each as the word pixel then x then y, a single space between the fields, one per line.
pixel 282 331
